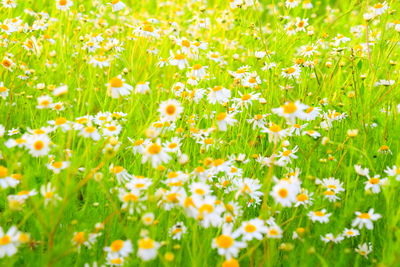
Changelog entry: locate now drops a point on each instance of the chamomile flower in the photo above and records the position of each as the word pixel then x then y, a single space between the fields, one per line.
pixel 393 172
pixel 246 100
pixel 365 219
pixel 348 233
pixel 273 229
pixel 284 193
pixel 331 238
pixel 3 91
pixel 44 102
pixel 117 87
pixel 275 132
pixel 304 198
pixel 142 87
pixel 178 59
pixel 57 166
pixel 117 5
pixel 170 110
pixel 380 8
pixel 253 229
pixel 374 183
pixel 9 3
pixel 49 194
pixel 314 134
pixel 364 249
pixel 224 120
pixel 148 248
pixel 292 3
pixel 8 241
pixel 64 4
pixel 218 94
pixel 177 231
pixel 155 153
pixel 120 173
pixel 226 243
pixel 148 218
pixel 100 61
pixel 119 248
pixel 291 72
pixel 290 110
pixel 90 131
pixel 320 216
pixel 38 145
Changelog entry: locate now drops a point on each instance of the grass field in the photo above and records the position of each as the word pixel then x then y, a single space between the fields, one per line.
pixel 199 133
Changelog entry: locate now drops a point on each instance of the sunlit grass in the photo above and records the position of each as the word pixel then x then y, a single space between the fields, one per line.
pixel 171 126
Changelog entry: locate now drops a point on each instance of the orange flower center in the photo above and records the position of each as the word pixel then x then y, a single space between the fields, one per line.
pixel 283 193
pixel 170 109
pixel 38 145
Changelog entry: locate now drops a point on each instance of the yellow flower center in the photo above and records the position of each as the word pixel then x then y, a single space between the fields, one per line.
pixel 319 213
pixel 146 243
pixel 5 240
pixel 302 197
pixel 57 164
pixel 116 261
pixel 230 263
pixel 48 195
pixel 221 116
pixel 185 43
pixel 275 128
pixel 116 82
pixel 249 228
pixel 117 245
pixel 3 172
pixel 180 57
pixel 199 191
pixel 90 129
pixel 60 121
pixel 206 208
pixel 224 241
pixel 290 70
pixel 130 197
pixel 148 28
pixel 374 180
pixel 289 108
pixel 218 162
pixel 111 128
pixel 79 238
pixel 364 216
pixel 273 232
pixel 217 88
pixel 246 97
pixel 197 66
pixel 252 80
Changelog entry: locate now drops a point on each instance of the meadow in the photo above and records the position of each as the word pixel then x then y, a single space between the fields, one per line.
pixel 199 133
